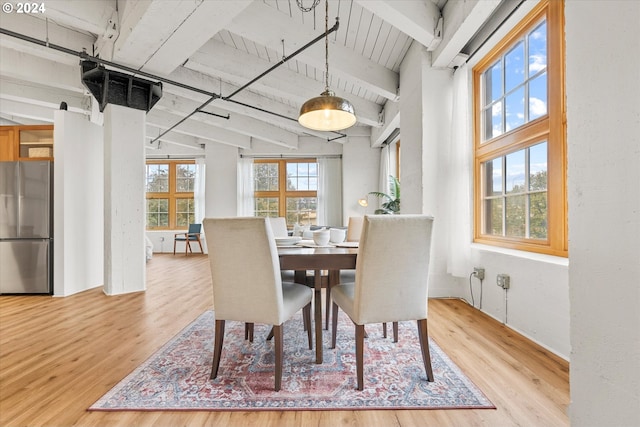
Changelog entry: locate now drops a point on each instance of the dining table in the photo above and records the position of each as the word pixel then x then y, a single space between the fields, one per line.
pixel 330 258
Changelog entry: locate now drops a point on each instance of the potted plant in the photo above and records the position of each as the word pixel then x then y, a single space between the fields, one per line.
pixel 392 201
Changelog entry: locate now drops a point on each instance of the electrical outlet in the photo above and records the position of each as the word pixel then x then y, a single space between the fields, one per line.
pixel 503 281
pixel 479 272
pixel 162 239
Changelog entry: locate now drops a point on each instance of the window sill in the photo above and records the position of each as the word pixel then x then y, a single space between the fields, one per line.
pixel 549 259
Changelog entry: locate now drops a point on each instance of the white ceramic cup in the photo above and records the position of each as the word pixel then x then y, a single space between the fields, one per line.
pixel 337 235
pixel 321 237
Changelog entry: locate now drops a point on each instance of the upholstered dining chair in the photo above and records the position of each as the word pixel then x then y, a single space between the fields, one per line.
pixel 391 281
pixel 354 228
pixel 247 287
pixel 192 235
pixel 279 226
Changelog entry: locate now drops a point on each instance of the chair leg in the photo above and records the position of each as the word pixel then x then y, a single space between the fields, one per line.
pixel 334 325
pixel 306 311
pixel 217 347
pixel 187 248
pixel 384 330
pixel 395 331
pixel 248 331
pixel 360 356
pixel 278 335
pixel 327 296
pixel 270 336
pixel 200 243
pixel 424 346
pixel 174 246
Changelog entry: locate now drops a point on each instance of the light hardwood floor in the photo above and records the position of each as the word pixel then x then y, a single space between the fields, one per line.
pixel 59 355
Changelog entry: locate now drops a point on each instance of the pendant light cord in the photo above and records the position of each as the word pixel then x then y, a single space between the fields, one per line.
pixel 326 45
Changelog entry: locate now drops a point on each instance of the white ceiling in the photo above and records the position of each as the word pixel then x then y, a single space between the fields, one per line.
pixel 219 46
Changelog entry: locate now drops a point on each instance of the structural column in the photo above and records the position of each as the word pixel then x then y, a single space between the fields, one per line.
pixel 124 220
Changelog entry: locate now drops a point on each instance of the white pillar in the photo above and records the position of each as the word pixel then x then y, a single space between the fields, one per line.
pixel 124 222
pixel 425 110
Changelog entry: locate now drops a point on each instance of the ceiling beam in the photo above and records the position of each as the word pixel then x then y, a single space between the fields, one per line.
pixel 282 116
pixel 87 15
pixel 236 122
pixel 462 19
pixel 220 60
pixel 29 25
pixel 160 35
pixel 391 114
pixel 25 67
pixel 27 111
pixel 31 93
pixel 152 132
pixel 342 60
pixel 198 129
pixel 417 19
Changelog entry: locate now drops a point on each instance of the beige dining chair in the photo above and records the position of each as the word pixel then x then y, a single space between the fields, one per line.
pixel 279 226
pixel 391 281
pixel 354 228
pixel 247 286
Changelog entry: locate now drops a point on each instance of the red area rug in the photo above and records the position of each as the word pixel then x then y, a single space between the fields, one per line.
pixel 176 377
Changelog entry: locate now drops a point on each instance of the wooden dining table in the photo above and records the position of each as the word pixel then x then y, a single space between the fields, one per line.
pixel 317 259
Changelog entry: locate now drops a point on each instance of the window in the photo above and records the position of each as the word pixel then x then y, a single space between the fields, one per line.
pixel 286 187
pixel 520 154
pixel 170 200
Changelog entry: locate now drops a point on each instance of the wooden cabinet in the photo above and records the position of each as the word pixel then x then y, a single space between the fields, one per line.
pixel 26 142
pixel 7 144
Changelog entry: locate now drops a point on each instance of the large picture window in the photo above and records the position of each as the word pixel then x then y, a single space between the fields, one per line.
pixel 170 198
pixel 288 188
pixel 520 154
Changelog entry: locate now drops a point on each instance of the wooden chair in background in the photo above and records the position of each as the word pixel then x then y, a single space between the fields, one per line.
pixel 192 235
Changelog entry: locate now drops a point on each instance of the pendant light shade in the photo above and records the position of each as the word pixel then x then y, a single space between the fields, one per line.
pixel 327 112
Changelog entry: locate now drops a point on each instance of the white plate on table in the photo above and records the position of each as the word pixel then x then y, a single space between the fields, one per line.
pixel 346 244
pixel 312 244
pixel 287 241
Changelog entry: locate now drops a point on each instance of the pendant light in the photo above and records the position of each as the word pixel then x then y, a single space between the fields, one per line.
pixel 327 112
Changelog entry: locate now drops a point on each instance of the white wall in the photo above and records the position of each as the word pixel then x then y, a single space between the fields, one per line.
pixel 603 118
pixel 78 204
pixel 360 171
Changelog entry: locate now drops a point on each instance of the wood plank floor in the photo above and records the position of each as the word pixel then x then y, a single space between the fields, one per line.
pixel 59 355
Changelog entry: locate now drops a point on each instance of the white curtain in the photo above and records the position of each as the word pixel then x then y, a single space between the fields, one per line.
pixel 329 191
pixel 459 179
pixel 198 190
pixel 246 201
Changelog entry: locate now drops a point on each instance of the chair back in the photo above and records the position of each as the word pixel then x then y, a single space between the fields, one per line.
pixel 392 269
pixel 245 270
pixel 194 228
pixel 279 226
pixel 354 228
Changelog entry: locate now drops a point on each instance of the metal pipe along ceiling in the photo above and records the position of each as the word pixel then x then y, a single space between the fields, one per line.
pixel 212 95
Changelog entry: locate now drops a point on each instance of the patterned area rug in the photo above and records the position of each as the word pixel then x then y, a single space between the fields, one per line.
pixel 176 377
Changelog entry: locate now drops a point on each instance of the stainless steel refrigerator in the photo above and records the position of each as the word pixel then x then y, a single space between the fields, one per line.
pixel 26 227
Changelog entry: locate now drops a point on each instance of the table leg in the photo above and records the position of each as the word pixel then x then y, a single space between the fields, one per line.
pixel 317 289
pixel 333 279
